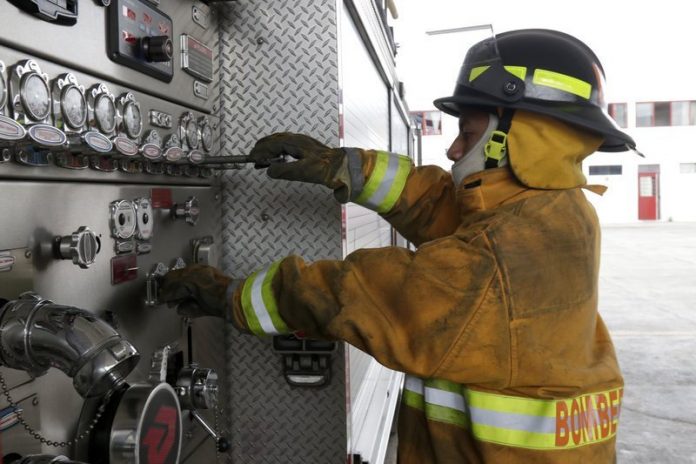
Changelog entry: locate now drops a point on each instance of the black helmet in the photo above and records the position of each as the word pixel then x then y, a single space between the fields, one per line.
pixel 538 70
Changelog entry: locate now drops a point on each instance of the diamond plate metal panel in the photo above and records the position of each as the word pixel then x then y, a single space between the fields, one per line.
pixel 279 72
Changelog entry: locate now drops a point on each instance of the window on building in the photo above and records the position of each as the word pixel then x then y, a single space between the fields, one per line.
pixel 687 168
pixel 619 112
pixel 430 122
pixel 608 170
pixel 675 113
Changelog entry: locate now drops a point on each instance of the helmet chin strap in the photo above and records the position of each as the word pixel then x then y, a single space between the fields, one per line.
pixel 474 159
pixel 496 148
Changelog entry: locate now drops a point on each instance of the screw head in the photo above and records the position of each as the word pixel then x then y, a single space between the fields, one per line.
pixel 510 88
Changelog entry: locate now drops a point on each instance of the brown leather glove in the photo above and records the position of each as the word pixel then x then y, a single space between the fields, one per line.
pixel 197 290
pixel 316 163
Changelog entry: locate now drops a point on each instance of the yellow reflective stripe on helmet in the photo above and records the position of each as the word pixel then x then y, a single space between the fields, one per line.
pixel 387 180
pixel 259 304
pixel 562 82
pixel 519 71
pixel 545 78
pixel 515 421
pixel 477 71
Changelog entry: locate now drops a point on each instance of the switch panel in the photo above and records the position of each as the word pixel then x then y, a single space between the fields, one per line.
pixel 140 37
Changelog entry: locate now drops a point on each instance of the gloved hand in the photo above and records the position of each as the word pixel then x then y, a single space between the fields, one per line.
pixel 317 163
pixel 198 290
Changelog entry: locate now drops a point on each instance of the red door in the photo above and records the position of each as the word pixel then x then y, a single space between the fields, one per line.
pixel 648 193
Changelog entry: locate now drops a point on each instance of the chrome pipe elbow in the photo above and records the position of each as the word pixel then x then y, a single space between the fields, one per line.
pixel 36 334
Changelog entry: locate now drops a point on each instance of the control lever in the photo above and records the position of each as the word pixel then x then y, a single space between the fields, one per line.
pixel 152 284
pixel 221 162
pixel 221 443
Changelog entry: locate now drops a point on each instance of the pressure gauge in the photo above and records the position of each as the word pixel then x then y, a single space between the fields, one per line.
pixel 105 114
pixel 188 131
pixel 143 208
pixel 74 107
pixel 69 103
pixel 102 109
pixel 130 112
pixel 132 120
pixel 206 134
pixel 3 87
pixel 192 134
pixel 123 219
pixel 34 96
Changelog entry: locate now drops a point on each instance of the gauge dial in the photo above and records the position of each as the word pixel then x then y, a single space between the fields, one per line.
pixel 105 114
pixel 74 107
pixel 132 120
pixel 123 219
pixel 3 92
pixel 192 134
pixel 35 97
pixel 145 218
pixel 207 137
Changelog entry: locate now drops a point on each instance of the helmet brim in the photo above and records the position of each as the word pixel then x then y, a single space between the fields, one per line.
pixel 588 117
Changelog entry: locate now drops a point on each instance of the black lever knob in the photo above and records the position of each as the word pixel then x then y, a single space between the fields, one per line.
pixel 157 48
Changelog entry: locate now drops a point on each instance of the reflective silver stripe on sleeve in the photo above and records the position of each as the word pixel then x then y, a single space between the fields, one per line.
pixel 376 199
pixel 262 312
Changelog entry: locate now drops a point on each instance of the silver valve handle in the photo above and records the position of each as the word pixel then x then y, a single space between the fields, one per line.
pixel 82 247
pixel 189 211
pixel 221 443
pixel 197 387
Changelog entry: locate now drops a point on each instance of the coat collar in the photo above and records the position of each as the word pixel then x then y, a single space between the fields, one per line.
pixel 490 189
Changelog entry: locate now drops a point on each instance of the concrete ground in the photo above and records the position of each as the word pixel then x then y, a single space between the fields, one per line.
pixel 648 300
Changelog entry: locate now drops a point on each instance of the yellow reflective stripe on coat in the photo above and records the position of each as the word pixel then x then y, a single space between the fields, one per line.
pixel 387 180
pixel 544 78
pixel 515 421
pixel 259 304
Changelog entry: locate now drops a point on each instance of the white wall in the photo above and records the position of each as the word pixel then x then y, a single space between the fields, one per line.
pixel 663 146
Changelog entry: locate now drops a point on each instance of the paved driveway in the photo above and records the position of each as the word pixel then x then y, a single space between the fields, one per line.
pixel 648 300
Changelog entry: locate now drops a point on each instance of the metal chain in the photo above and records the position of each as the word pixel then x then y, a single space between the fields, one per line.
pixel 218 426
pixel 37 435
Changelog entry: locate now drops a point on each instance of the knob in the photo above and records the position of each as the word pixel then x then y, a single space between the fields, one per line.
pixel 189 211
pixel 157 48
pixel 82 246
pixel 204 251
pixel 197 387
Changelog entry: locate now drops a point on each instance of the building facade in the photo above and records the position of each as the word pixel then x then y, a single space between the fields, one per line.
pixel 659 186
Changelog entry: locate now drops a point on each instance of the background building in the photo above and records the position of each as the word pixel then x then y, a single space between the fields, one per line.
pixel 661 186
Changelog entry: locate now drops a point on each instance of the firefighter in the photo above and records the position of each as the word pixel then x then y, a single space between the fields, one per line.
pixel 494 318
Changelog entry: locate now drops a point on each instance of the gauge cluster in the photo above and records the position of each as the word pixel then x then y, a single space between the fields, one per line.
pixel 69 120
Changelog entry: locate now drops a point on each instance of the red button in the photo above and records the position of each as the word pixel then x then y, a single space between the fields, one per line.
pixel 130 38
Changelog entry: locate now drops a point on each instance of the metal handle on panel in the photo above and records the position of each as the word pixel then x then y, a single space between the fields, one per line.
pixel 82 247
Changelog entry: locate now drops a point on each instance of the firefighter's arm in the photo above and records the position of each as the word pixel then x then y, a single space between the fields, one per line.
pixel 419 202
pixel 426 313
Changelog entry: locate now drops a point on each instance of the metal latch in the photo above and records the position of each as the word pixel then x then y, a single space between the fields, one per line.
pixel 306 362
